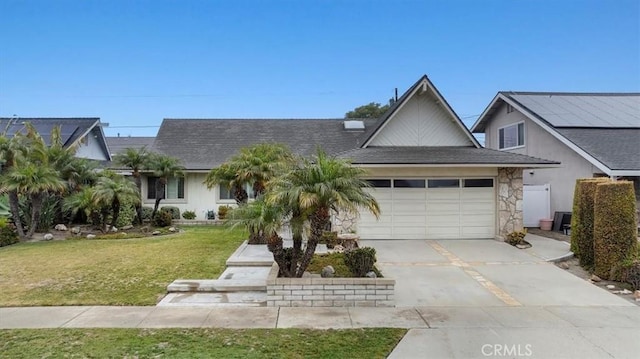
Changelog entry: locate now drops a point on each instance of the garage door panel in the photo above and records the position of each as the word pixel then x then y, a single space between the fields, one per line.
pixel 434 213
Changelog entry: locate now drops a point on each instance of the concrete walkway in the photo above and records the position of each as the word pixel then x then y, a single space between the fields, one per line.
pixel 460 299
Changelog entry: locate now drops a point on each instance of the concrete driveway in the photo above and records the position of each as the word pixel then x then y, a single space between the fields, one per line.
pixel 482 273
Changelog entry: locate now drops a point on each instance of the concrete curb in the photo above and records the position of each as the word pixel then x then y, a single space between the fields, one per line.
pixel 562 258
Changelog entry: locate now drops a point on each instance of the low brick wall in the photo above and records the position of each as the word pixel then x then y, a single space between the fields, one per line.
pixel 329 292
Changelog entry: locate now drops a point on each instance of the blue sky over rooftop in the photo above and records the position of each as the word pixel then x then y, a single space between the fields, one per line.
pixel 133 63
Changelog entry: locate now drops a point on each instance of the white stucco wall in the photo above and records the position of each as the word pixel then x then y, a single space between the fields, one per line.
pixel 197 197
pixel 539 143
pixel 90 148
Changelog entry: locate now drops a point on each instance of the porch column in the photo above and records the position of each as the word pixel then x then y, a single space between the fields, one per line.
pixel 509 201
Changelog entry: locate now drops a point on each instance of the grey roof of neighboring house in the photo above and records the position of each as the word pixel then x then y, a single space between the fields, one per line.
pixel 203 144
pixel 618 149
pixel 72 129
pixel 119 144
pixel 604 110
pixel 440 156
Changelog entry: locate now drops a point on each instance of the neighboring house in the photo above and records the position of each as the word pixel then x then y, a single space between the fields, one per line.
pixel 85 133
pixel 119 144
pixel 591 134
pixel 432 178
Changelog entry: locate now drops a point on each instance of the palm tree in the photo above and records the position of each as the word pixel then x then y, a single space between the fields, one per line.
pixel 260 163
pixel 10 148
pixel 83 201
pixel 136 160
pixel 314 189
pixel 227 175
pixel 33 180
pixel 112 189
pixel 163 167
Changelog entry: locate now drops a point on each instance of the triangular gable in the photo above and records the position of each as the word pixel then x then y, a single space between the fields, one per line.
pixel 420 117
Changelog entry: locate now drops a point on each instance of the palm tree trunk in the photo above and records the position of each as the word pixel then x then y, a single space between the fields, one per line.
pixel 15 212
pixel 240 195
pixel 115 209
pixel 36 209
pixel 159 196
pixel 279 255
pixel 296 230
pixel 138 180
pixel 318 221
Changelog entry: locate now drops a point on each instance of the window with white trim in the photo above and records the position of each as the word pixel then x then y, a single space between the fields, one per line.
pixel 511 136
pixel 225 194
pixel 174 189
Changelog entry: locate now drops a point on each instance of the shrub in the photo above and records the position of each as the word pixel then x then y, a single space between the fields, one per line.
pixel 516 237
pixel 189 215
pixel 162 219
pixel 146 213
pixel 8 235
pixel 360 260
pixel 127 215
pixel 582 219
pixel 223 211
pixel 631 273
pixel 329 238
pixel 615 226
pixel 175 211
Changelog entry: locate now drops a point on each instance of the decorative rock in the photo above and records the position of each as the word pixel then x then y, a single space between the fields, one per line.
pixel 91 236
pixel 328 272
pixel 155 233
pixel 623 291
pixel 76 230
pixel 564 265
pixel 611 286
pixel 636 295
pixel 338 248
pixel 114 229
pixel 48 237
pixel 60 227
pixel 371 274
pixel 172 229
pixel 595 278
pixel 523 245
pixel 127 227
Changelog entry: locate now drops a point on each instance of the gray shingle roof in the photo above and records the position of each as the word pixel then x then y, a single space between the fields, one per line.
pixel 119 144
pixel 618 149
pixel 71 128
pixel 606 110
pixel 203 144
pixel 440 156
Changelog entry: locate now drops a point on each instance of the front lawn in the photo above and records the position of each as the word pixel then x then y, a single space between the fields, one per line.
pixel 198 343
pixel 111 272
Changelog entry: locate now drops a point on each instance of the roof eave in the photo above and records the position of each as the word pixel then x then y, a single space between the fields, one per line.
pixel 466 165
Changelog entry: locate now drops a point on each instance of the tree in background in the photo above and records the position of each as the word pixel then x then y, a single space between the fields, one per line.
pixel 112 190
pixel 371 110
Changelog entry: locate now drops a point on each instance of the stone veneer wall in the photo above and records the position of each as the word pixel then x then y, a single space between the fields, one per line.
pixel 344 222
pixel 509 201
pixel 329 292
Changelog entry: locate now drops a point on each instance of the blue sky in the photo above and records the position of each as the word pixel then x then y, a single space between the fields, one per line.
pixel 133 63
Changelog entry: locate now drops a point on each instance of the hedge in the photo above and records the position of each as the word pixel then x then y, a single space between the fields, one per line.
pixel 582 219
pixel 615 227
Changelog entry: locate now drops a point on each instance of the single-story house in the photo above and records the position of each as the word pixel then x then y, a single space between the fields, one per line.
pixel 118 144
pixel 591 134
pixel 85 133
pixel 432 178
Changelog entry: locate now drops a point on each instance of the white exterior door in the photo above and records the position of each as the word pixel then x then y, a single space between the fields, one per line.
pixel 432 209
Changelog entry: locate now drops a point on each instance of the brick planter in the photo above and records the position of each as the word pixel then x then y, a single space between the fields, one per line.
pixel 329 292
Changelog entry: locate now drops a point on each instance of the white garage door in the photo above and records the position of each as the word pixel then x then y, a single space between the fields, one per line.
pixel 432 208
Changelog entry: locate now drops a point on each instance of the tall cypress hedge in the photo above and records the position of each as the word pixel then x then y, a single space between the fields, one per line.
pixel 615 230
pixel 582 219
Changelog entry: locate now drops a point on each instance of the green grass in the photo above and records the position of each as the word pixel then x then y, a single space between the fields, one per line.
pixel 198 343
pixel 111 272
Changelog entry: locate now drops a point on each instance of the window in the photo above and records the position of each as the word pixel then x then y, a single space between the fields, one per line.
pixel 408 183
pixel 444 183
pixel 173 190
pixel 511 136
pixel 226 194
pixel 380 183
pixel 478 182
